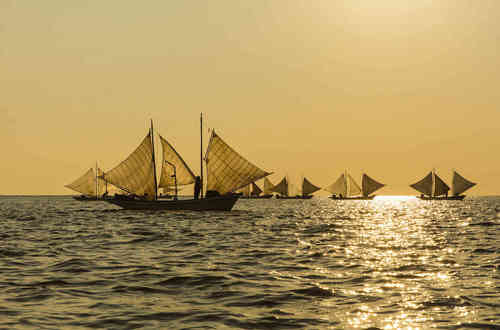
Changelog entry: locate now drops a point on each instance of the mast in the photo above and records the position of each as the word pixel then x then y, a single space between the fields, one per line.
pixel 201 154
pixel 153 159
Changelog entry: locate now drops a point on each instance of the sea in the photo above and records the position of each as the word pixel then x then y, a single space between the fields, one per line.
pixel 392 263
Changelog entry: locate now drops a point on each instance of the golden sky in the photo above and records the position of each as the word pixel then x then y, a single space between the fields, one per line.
pixel 392 88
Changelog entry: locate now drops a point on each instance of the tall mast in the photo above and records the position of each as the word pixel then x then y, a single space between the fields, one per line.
pixel 154 162
pixel 201 155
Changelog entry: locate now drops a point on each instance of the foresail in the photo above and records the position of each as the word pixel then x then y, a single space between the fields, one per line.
pixel 460 184
pixel 440 187
pixel 339 187
pixel 256 191
pixel 226 169
pixel 424 186
pixel 354 188
pixel 308 188
pixel 369 185
pixel 136 173
pixel 183 173
pixel 84 184
pixel 281 188
pixel 268 185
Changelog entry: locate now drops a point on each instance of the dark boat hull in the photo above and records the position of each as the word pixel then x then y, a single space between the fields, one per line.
pixel 220 203
pixel 358 198
pixel 444 198
pixel 294 197
pixel 87 199
pixel 257 197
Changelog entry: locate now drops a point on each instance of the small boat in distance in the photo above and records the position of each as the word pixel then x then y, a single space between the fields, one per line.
pixel 433 187
pixel 346 188
pixel 252 191
pixel 89 185
pixel 282 188
pixel 226 171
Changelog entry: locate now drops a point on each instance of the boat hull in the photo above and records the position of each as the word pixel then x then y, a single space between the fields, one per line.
pixel 87 199
pixel 257 197
pixel 358 198
pixel 444 198
pixel 220 203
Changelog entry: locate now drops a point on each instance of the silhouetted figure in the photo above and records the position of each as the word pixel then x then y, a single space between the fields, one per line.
pixel 197 187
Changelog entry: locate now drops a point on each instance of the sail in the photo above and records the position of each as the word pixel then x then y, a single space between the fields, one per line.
pixel 255 190
pixel 339 187
pixel 268 186
pixel 84 184
pixel 281 188
pixel 245 191
pixel 460 184
pixel 354 188
pixel 440 187
pixel 226 169
pixel 369 185
pixel 101 184
pixel 183 173
pixel 136 173
pixel 308 188
pixel 425 185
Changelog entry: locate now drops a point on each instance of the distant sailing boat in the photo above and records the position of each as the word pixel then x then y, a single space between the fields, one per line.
pixel 252 191
pixel 89 185
pixel 282 188
pixel 137 176
pixel 346 188
pixel 433 187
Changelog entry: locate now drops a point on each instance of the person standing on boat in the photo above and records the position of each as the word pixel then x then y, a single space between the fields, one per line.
pixel 197 187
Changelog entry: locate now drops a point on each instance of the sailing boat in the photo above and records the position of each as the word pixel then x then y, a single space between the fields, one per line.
pixel 137 176
pixel 433 187
pixel 346 188
pixel 282 188
pixel 89 185
pixel 252 191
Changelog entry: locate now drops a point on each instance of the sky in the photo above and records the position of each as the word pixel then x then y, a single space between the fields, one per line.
pixel 391 88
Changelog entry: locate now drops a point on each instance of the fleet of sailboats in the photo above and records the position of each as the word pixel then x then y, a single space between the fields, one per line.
pixel 345 187
pixel 432 187
pixel 229 176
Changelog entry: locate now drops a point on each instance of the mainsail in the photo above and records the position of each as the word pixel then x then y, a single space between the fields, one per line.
pixel 369 185
pixel 339 187
pixel 440 187
pixel 425 185
pixel 171 158
pixel 353 188
pixel 256 191
pixel 460 184
pixel 281 188
pixel 308 188
pixel 226 169
pixel 136 173
pixel 85 184
pixel 268 186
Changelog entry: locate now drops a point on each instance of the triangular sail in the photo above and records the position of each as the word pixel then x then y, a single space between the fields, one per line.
pixel 440 187
pixel 268 185
pixel 425 185
pixel 226 169
pixel 245 191
pixel 183 173
pixel 281 188
pixel 101 184
pixel 84 184
pixel 369 185
pixel 460 184
pixel 136 173
pixel 256 191
pixel 308 188
pixel 354 188
pixel 339 187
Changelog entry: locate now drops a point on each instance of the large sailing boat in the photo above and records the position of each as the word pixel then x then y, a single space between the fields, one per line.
pixel 282 188
pixel 89 185
pixel 137 176
pixel 346 188
pixel 433 187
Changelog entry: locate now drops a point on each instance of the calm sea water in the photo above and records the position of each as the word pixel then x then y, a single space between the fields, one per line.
pixel 268 264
